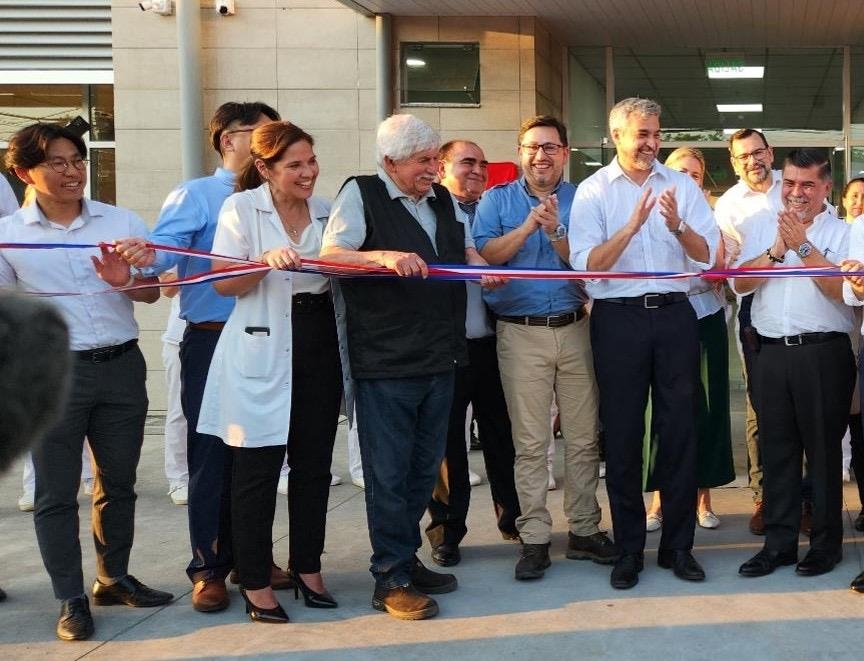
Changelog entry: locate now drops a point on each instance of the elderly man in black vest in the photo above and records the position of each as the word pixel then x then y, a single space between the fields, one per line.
pixel 406 336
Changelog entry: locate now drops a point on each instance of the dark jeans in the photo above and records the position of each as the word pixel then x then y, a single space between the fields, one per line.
pixel 209 462
pixel 479 384
pixel 108 405
pixel 636 349
pixel 402 427
pixel 804 394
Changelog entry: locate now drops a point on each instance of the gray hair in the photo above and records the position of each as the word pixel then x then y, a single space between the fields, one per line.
pixel 622 110
pixel 400 136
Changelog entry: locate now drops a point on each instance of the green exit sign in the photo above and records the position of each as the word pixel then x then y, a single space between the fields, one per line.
pixel 725 63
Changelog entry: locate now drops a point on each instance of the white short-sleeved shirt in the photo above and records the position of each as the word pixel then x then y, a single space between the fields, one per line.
pixel 8 201
pixel 603 205
pixel 740 208
pixel 99 320
pixel 790 306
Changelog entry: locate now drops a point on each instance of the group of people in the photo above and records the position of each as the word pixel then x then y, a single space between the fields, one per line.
pixel 267 357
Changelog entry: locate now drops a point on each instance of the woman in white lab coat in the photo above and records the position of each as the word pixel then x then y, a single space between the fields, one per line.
pixel 275 378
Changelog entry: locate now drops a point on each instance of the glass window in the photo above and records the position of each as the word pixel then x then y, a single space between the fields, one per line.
pixel 102 180
pixel 102 113
pixel 439 73
pixel 22 105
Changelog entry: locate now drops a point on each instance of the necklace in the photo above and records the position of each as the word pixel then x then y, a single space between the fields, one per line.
pixel 292 231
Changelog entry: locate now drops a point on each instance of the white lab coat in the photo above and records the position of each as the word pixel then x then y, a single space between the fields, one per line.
pixel 247 399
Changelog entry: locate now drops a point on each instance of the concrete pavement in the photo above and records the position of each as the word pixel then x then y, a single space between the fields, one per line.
pixel 571 613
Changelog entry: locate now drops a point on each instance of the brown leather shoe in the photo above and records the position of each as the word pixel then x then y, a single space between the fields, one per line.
pixel 757 523
pixel 210 595
pixel 279 578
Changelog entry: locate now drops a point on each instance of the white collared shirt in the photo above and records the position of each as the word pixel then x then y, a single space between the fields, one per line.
pixel 741 208
pixel 94 321
pixel 790 306
pixel 603 205
pixel 856 251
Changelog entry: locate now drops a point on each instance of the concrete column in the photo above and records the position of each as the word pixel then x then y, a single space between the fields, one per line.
pixel 191 112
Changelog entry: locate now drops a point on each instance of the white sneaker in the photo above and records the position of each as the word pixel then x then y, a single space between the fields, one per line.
pixel 335 480
pixel 282 487
pixel 358 482
pixel 708 520
pixel 473 478
pixel 88 485
pixel 653 522
pixel 179 493
pixel 27 501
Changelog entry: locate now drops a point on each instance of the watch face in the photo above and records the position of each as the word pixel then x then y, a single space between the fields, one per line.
pixel 560 232
pixel 805 249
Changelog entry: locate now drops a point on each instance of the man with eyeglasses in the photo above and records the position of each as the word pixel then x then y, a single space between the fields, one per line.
pixel 543 347
pixel 188 220
pixel 637 215
pixel 108 397
pixel 463 171
pixel 750 202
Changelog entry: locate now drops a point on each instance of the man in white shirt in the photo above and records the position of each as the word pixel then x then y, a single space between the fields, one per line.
pixel 8 201
pixel 636 214
pixel 754 199
pixel 108 397
pixel 804 372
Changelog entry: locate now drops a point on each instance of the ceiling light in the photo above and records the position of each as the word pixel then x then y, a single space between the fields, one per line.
pixel 739 107
pixel 415 62
pixel 593 164
pixel 736 72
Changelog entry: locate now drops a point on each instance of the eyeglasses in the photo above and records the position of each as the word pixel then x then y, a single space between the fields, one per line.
pixel 756 153
pixel 239 131
pixel 60 165
pixel 549 148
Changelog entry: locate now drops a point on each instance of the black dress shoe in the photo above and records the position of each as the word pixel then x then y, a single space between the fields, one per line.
pixel 311 598
pixel 818 561
pixel 446 555
pixel 129 591
pixel 275 615
pixel 625 573
pixel 857 583
pixel 75 621
pixel 765 562
pixel 682 563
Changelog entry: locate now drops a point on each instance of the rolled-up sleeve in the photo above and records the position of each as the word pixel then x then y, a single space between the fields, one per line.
pixel 346 227
pixel 587 227
pixel 700 218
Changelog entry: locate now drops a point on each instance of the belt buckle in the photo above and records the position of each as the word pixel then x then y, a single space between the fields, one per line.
pixel 793 340
pixel 101 355
pixel 645 301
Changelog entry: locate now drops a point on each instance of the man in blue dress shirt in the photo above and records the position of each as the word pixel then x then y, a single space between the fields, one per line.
pixel 544 349
pixel 188 220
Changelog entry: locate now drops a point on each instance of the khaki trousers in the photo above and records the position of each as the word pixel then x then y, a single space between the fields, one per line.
pixel 538 363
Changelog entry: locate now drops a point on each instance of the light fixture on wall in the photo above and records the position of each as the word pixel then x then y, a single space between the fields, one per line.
pixel 161 7
pixel 225 7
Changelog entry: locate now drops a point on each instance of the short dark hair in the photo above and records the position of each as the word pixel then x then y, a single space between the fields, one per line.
pixel 245 113
pixel 445 153
pixel 29 147
pixel 807 157
pixel 743 134
pixel 269 143
pixel 849 183
pixel 544 120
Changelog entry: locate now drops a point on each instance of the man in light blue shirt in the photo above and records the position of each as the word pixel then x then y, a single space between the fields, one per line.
pixel 543 347
pixel 188 220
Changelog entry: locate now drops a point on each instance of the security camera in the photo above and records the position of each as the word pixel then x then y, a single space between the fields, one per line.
pixel 163 7
pixel 225 7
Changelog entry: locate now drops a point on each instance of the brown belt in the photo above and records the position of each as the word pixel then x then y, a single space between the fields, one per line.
pixel 555 321
pixel 207 325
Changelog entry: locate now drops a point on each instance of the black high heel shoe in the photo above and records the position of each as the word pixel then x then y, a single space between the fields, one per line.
pixel 265 615
pixel 311 598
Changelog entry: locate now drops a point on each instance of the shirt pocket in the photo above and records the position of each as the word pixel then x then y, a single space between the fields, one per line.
pixel 256 356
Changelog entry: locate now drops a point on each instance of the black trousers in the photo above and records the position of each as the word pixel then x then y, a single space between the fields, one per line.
pixel 636 348
pixel 803 395
pixel 479 384
pixel 209 506
pixel 316 392
pixel 108 405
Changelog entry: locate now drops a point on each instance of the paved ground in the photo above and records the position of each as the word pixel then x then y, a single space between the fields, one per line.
pixel 572 613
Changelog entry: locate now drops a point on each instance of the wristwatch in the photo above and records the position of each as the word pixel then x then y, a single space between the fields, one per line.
pixel 804 250
pixel 558 233
pixel 680 229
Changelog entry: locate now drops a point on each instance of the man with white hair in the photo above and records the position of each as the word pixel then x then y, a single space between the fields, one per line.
pixel 406 336
pixel 636 214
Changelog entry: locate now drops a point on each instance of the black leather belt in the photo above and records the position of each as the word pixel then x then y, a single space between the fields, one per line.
pixel 104 354
pixel 555 321
pixel 803 338
pixel 207 325
pixel 649 301
pixel 307 300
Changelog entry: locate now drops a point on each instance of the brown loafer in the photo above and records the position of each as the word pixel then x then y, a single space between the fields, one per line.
pixel 210 595
pixel 279 578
